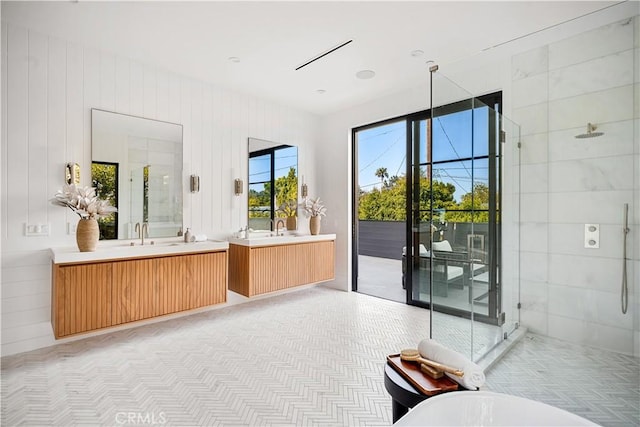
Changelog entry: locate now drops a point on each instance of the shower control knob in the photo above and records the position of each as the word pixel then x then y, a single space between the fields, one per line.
pixel 592 236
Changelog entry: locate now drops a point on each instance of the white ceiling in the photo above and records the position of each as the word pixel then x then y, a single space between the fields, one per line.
pixel 272 38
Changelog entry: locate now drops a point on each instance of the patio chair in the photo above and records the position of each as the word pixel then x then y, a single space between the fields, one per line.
pixel 448 268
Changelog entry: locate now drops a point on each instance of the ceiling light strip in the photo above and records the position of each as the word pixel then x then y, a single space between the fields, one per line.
pixel 323 54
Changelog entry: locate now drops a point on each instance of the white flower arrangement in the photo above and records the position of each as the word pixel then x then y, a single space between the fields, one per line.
pixel 83 201
pixel 314 207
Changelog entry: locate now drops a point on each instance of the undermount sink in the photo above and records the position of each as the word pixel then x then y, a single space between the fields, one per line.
pixel 485 408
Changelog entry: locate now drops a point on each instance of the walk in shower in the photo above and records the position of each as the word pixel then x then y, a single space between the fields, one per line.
pixel 463 216
pixel 434 215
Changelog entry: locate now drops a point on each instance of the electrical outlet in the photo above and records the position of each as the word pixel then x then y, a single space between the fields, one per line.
pixel 71 227
pixel 36 230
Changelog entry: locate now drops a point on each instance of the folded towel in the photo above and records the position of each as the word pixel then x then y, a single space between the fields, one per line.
pixel 200 238
pixel 473 374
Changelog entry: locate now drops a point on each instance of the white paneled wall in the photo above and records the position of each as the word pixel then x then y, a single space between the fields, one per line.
pixel 48 89
pixel 569 291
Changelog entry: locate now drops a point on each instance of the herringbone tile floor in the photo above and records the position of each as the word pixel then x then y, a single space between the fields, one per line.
pixel 599 385
pixel 311 357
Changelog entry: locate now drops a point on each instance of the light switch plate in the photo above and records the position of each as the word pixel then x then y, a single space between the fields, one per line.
pixel 71 227
pixel 592 236
pixel 36 230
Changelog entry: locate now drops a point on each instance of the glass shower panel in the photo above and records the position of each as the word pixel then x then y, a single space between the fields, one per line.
pixel 442 160
pixel 485 246
pixel 465 162
pixel 510 218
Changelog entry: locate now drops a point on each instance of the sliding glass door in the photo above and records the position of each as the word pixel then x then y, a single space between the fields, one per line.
pixel 380 207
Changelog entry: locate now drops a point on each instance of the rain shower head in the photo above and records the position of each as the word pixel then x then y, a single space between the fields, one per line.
pixel 590 132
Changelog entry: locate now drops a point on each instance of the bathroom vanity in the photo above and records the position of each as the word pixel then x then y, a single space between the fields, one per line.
pixel 119 283
pixel 267 264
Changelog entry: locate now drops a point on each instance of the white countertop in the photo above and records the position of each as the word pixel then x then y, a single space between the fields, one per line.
pixel 287 239
pixel 122 249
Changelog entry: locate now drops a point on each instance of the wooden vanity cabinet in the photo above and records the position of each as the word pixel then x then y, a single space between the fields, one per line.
pixel 81 298
pixel 96 295
pixel 263 269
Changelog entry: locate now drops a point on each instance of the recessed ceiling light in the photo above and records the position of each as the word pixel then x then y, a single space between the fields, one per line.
pixel 365 74
pixel 234 59
pixel 320 91
pixel 416 53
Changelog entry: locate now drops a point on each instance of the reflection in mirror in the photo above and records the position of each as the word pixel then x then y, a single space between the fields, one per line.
pixel 104 177
pixel 273 184
pixel 137 166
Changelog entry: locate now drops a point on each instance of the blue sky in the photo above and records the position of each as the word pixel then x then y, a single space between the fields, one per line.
pixel 453 134
pixel 259 166
pixel 385 146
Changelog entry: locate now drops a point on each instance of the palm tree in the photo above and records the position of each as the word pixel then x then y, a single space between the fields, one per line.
pixel 382 174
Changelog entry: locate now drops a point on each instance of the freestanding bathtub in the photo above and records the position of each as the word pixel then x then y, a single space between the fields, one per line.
pixel 485 408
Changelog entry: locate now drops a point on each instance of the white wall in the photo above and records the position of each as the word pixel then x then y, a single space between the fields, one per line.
pixel 552 92
pixel 48 89
pixel 334 168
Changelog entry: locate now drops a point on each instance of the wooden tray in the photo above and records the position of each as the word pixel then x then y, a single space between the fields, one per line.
pixel 411 372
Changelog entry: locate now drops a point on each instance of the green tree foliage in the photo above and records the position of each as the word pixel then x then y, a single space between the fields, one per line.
pixel 286 189
pixel 477 201
pixel 382 174
pixel 389 203
pixel 260 202
pixel 104 179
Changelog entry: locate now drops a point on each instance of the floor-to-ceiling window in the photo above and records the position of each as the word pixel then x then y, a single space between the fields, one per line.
pixel 437 193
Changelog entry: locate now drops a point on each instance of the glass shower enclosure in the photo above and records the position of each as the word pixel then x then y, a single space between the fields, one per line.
pixel 462 217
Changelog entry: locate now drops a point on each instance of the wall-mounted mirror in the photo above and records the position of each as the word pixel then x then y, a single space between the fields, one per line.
pixel 137 165
pixel 273 184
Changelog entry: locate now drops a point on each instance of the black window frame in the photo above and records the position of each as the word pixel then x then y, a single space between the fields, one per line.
pixel 492 100
pixel 271 152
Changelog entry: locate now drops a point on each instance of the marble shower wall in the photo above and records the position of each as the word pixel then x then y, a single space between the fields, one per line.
pixel 569 291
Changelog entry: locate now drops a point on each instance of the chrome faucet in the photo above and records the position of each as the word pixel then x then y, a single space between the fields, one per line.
pixel 142 231
pixel 278 223
pixel 145 231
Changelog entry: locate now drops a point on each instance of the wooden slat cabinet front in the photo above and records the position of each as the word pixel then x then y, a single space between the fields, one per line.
pixel 93 296
pixel 81 298
pixel 263 269
pixel 134 290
